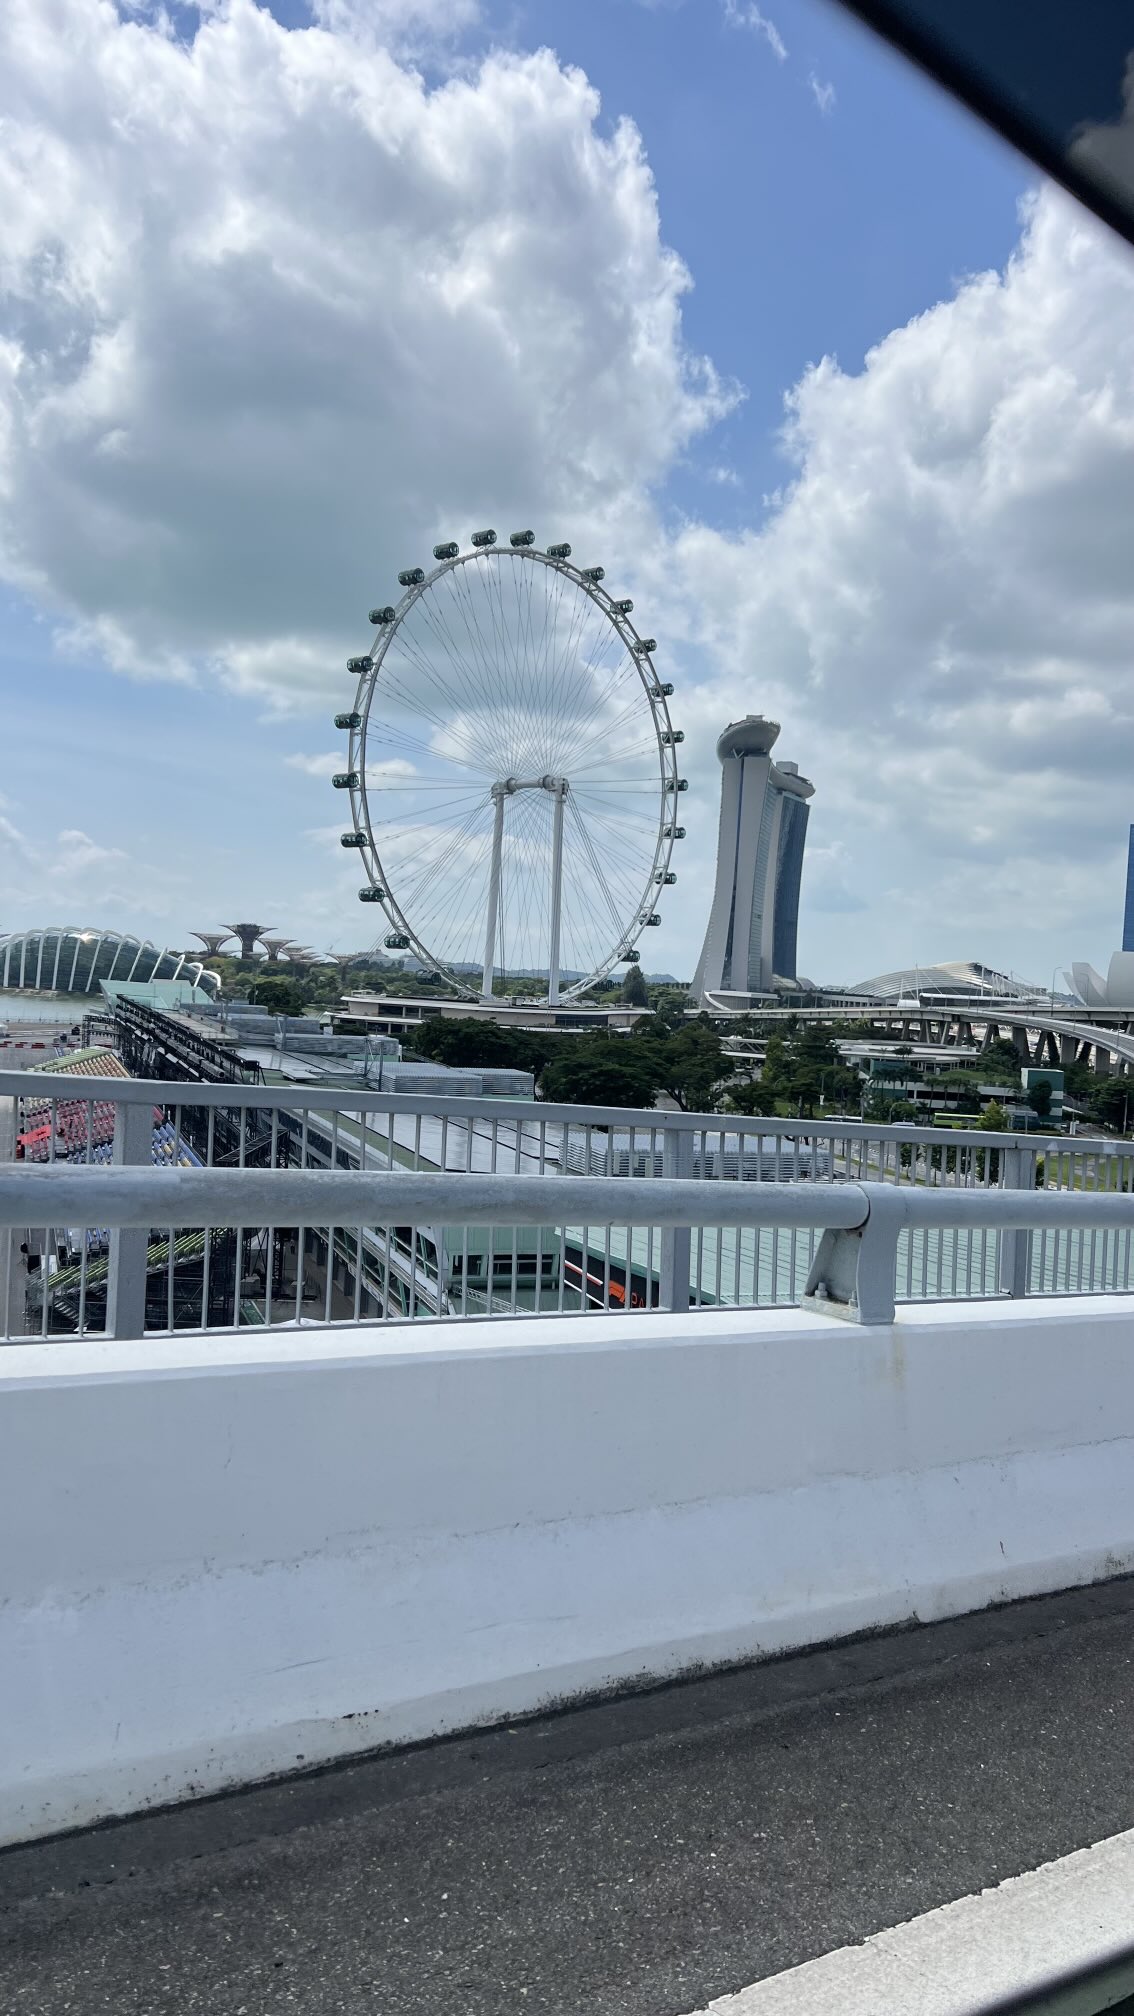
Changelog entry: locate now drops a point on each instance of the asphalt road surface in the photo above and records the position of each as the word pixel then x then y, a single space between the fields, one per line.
pixel 631 1858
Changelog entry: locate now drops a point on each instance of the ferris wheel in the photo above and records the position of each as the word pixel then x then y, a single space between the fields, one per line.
pixel 512 769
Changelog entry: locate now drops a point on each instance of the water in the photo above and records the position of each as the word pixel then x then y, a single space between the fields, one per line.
pixel 62 1009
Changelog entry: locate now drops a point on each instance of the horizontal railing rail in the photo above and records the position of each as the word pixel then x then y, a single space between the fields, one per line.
pixel 852 1274
pixel 256 1254
pixel 48 1085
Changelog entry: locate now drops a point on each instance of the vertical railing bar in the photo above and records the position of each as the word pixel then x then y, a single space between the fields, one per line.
pixel 206 1257
pixel 541 1168
pixel 301 1230
pixel 270 1230
pixel 608 1170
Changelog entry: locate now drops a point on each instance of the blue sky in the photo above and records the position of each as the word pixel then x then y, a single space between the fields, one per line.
pixel 161 660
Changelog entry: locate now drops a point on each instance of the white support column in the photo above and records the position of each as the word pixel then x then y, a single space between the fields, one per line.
pixel 55 968
pixel 126 1282
pixel 559 800
pixel 493 894
pixel 13 1276
pixel 74 962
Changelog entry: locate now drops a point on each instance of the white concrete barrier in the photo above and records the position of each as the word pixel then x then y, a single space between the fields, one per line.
pixel 232 1557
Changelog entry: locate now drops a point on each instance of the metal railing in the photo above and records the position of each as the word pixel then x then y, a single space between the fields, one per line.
pixel 540 1210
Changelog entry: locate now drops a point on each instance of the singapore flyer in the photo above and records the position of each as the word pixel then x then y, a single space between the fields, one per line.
pixel 512 770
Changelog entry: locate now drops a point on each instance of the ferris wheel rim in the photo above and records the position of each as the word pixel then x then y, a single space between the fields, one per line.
pixel 656 701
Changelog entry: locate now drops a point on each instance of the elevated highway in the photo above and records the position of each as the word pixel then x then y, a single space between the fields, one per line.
pixel 1041 1035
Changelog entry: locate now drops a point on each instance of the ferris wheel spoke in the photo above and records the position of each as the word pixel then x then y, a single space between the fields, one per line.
pixel 597 716
pixel 449 665
pixel 572 687
pixel 456 696
pixel 606 750
pixel 507 643
pixel 426 686
pixel 452 699
pixel 427 846
pixel 457 910
pixel 622 841
pixel 597 871
pixel 504 657
pixel 471 620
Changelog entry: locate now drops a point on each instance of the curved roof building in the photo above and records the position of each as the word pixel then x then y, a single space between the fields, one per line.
pixel 65 959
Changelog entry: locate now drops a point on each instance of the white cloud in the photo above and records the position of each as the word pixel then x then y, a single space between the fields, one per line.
pixel 402 24
pixel 79 851
pixel 316 766
pixel 823 94
pixel 940 608
pixel 278 314
pixel 394 767
pixel 745 14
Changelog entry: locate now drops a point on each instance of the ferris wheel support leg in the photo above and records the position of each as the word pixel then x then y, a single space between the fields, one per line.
pixel 558 803
pixel 493 897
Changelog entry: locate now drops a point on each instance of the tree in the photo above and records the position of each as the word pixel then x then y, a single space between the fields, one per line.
pixel 1001 1059
pixel 751 1098
pixel 634 991
pixel 1039 1098
pixel 278 996
pixel 1110 1101
pixel 689 1063
pixel 466 1041
pixel 993 1120
pixel 599 1071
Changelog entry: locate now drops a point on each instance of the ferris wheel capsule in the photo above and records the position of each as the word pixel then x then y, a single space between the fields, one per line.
pixel 560 552
pixel 371 894
pixel 448 550
pixel 346 780
pixel 396 941
pixel 411 577
pixel 482 539
pixel 595 574
pixel 521 538
pixel 352 839
pixel 386 615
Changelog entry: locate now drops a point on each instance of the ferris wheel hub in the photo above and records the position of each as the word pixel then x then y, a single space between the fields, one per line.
pixel 506 787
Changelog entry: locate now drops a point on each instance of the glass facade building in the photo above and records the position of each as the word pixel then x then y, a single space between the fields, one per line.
pixel 63 959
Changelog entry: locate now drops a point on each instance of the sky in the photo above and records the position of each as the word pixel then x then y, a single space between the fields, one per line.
pixel 726 295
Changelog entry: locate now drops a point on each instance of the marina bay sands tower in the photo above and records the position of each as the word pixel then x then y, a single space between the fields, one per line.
pixel 752 924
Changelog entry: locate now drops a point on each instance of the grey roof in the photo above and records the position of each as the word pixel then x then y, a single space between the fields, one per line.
pixel 955 976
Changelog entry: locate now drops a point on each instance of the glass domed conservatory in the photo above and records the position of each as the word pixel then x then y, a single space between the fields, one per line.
pixel 62 959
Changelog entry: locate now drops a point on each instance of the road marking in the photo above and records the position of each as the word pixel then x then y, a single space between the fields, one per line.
pixel 966 1954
